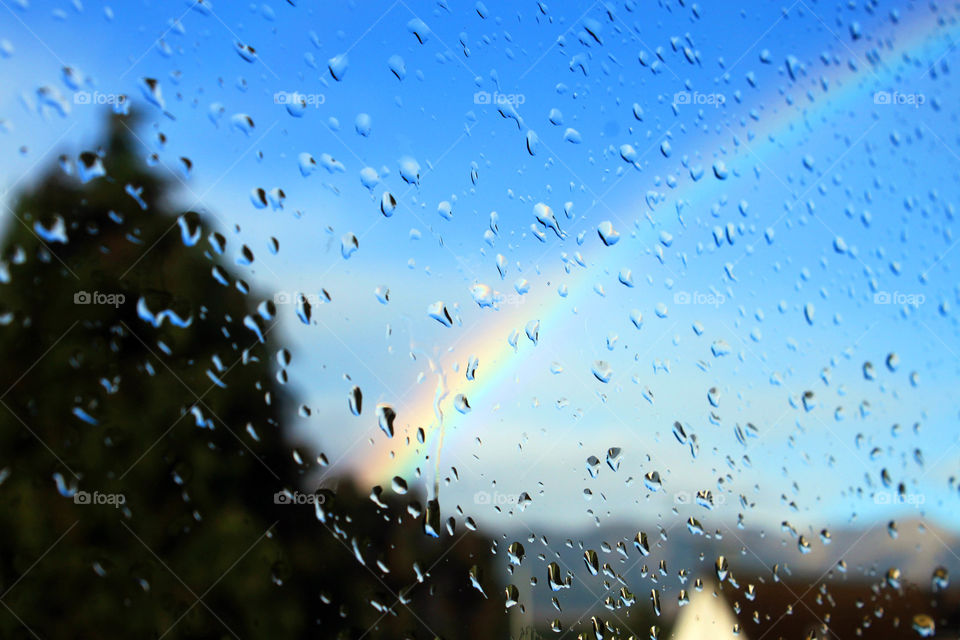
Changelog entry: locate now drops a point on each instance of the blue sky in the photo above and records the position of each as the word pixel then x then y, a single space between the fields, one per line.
pixel 858 194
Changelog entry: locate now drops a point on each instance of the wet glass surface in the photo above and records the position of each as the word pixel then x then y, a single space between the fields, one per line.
pixel 496 319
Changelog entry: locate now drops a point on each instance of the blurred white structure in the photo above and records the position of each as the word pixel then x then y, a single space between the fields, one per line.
pixel 707 617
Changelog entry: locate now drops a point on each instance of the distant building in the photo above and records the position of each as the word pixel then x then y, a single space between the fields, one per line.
pixel 708 617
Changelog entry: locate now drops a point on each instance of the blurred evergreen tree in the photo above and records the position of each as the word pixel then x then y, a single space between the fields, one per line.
pixel 110 395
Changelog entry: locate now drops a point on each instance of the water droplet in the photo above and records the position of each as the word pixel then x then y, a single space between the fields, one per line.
pixel 593 466
pixel 246 52
pixel 62 488
pixel 501 265
pixel 445 210
pixel 893 578
pixel 387 204
pixel 553 577
pixel 363 124
pixel 242 123
pixel 613 458
pixel 512 595
pixel 533 331
pixel 893 361
pixel 652 480
pixel 438 311
pixel 337 65
pixel 410 170
pixel 592 561
pixel 655 601
pixel 397 66
pixel 355 400
pixel 544 215
pixel 307 164
pixel 418 27
pixel 722 568
pixel 369 178
pixel 348 245
pixel 303 309
pixel 640 542
pixel 533 142
pixel 151 90
pixel 607 233
pixel 431 519
pixel 483 295
pixel 602 371
pixel 515 553
pixel 941 579
pixel 924 625
pixel 524 500
pixel 385 418
pixel 190 229
pixel 331 164
pixel 713 396
pixel 90 167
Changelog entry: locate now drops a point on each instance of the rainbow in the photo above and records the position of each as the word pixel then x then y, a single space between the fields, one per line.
pixel 403 456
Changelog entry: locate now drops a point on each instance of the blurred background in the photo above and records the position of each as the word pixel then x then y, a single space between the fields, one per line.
pixel 493 319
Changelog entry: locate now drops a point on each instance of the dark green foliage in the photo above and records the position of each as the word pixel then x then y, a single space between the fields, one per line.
pixel 199 546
